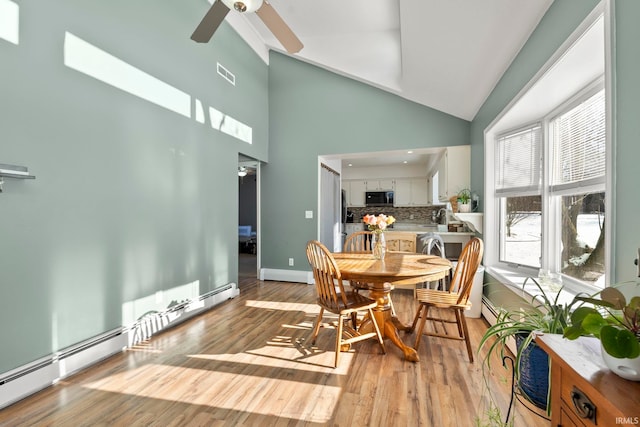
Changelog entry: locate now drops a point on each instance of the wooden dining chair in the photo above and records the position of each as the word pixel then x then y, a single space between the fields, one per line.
pixel 455 299
pixel 332 297
pixel 360 241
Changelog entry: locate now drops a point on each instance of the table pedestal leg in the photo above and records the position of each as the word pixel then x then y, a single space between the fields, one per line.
pixel 388 324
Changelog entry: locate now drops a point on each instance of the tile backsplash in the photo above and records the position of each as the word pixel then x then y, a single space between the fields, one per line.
pixel 413 214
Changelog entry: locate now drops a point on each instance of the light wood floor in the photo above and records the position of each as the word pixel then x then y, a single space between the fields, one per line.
pixel 248 362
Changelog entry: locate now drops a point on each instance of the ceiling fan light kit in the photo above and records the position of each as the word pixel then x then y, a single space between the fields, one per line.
pixel 243 6
pixel 272 20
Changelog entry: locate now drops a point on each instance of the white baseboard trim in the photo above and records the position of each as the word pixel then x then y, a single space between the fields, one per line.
pixel 286 275
pixel 35 376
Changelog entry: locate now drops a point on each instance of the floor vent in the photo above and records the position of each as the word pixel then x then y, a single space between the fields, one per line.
pixel 226 74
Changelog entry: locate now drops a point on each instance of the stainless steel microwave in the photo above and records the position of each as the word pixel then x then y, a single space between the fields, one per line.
pixel 379 198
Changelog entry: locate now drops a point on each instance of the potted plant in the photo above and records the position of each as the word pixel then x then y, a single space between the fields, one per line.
pixel 464 201
pixel 531 365
pixel 616 323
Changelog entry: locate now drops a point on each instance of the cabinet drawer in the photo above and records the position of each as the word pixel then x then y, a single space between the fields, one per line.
pixel 581 406
pixel 588 399
pixel 566 420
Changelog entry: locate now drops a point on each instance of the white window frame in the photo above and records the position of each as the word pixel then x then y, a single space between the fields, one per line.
pixel 516 275
pixel 551 227
pixel 516 192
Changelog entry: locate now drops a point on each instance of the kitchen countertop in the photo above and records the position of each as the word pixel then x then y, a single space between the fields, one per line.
pixel 431 230
pixel 419 228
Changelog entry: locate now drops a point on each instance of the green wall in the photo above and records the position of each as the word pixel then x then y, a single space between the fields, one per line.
pixel 560 21
pixel 316 112
pixel 627 129
pixel 130 198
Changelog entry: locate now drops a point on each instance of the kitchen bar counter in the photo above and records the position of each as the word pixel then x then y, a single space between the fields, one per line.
pixel 453 241
pixel 431 230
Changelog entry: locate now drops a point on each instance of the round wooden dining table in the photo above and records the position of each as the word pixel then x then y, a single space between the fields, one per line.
pixel 398 268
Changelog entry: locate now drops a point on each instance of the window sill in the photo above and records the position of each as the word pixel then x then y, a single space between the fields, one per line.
pixel 515 282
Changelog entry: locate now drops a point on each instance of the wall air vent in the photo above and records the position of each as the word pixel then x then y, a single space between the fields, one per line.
pixel 228 75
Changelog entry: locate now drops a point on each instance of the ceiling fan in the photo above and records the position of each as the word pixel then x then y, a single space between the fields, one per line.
pixel 262 8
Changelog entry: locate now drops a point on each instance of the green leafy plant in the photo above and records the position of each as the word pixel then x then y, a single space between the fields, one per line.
pixel 612 320
pixel 492 417
pixel 540 315
pixel 464 196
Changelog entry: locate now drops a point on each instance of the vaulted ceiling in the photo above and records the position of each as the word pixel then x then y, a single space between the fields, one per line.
pixel 444 54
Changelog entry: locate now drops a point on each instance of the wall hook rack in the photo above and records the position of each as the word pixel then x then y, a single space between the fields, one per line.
pixel 13 171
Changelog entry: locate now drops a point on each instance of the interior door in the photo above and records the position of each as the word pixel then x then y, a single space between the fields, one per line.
pixel 330 209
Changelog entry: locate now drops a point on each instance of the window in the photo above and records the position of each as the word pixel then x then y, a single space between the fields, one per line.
pixel 518 185
pixel 550 192
pixel 521 230
pixel 548 157
pixel 435 183
pixel 577 140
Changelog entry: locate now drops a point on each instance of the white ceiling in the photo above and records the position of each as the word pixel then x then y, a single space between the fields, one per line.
pixel 445 54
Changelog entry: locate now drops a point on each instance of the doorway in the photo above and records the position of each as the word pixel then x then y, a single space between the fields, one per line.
pixel 248 222
pixel 332 208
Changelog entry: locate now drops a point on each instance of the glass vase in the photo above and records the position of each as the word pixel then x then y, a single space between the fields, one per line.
pixel 378 245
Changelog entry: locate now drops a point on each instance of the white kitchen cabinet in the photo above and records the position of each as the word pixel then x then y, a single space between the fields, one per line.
pixel 454 171
pixel 420 192
pixel 355 189
pixel 412 192
pixel 355 192
pixel 380 184
pixel 402 195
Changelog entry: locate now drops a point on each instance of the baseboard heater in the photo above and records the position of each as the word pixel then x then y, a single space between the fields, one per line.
pixel 37 375
pixel 490 313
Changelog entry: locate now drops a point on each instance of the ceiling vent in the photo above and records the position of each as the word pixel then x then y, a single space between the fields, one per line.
pixel 228 75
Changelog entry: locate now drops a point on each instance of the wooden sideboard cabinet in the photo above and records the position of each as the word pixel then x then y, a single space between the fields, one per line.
pixel 584 392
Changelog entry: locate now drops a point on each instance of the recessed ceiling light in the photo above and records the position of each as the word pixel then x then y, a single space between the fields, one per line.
pixel 409 152
pixel 405 162
pixel 350 164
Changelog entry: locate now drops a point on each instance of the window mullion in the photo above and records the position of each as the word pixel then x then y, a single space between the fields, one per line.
pixel 547 237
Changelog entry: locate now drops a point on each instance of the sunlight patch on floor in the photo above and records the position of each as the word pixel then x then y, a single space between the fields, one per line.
pixel 243 393
pixel 283 353
pixel 285 306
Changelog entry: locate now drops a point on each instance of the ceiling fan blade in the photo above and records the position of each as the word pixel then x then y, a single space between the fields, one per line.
pixel 210 22
pixel 279 28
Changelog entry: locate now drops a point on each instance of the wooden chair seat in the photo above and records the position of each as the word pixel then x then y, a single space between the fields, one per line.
pixel 437 298
pixel 352 302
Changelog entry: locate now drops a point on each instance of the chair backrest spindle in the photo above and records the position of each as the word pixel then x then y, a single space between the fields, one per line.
pixel 468 263
pixel 360 241
pixel 327 276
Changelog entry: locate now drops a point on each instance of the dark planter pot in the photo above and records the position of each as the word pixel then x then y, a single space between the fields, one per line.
pixel 534 373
